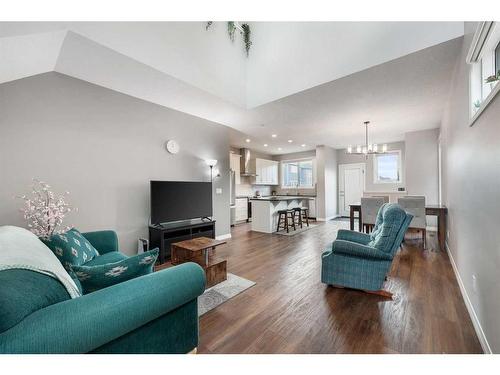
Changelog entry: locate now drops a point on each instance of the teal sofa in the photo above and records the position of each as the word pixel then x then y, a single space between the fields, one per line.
pixel 362 261
pixel 155 313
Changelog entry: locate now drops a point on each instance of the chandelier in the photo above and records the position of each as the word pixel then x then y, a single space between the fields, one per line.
pixel 367 148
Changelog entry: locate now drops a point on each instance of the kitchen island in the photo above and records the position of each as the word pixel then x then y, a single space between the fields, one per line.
pixel 265 210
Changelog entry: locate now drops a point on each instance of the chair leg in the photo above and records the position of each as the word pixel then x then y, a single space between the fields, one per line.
pixel 424 237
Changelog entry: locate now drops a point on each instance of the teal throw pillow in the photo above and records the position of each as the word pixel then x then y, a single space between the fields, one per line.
pixel 96 277
pixel 72 249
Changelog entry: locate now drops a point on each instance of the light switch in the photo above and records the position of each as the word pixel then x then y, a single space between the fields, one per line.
pixel 218 191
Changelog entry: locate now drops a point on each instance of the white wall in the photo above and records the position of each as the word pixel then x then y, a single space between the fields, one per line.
pixel 326 186
pixel 184 50
pixel 104 147
pixel 471 186
pixel 317 52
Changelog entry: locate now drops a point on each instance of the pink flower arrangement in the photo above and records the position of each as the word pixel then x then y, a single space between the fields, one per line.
pixel 45 212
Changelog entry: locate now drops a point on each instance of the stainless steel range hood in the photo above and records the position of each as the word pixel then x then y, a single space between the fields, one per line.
pixel 246 166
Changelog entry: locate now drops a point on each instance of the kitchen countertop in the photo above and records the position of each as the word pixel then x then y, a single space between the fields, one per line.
pixel 283 198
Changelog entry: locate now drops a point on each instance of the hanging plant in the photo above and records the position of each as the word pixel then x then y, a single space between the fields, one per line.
pixel 246 37
pixel 232 26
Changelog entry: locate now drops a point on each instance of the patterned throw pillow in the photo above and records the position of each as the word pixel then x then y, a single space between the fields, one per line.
pixel 101 276
pixel 72 249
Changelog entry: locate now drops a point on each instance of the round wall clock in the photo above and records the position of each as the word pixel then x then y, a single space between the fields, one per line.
pixel 172 146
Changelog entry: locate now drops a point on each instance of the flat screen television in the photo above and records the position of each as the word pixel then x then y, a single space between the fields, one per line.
pixel 180 200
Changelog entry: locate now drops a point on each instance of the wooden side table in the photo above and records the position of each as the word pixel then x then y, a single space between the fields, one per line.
pixel 201 250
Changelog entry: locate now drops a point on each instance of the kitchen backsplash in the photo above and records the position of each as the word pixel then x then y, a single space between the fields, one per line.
pixel 248 190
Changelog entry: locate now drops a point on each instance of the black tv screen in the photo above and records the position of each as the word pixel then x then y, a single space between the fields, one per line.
pixel 179 200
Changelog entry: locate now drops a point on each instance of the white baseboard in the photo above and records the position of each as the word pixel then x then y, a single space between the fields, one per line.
pixel 475 321
pixel 223 236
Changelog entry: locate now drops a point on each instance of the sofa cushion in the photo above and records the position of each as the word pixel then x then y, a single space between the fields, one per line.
pixel 23 292
pixel 95 277
pixel 111 257
pixel 72 249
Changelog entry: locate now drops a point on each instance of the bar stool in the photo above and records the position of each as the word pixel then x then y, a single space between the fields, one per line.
pixel 284 216
pixel 297 216
pixel 304 214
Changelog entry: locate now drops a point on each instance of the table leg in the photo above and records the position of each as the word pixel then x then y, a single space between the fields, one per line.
pixel 442 230
pixel 351 218
pixel 360 221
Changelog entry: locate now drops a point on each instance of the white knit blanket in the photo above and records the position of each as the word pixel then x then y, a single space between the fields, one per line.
pixel 21 249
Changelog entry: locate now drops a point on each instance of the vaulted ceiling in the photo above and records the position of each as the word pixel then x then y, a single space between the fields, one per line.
pixel 313 83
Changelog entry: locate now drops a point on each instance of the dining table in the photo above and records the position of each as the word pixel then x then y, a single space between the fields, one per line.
pixel 438 210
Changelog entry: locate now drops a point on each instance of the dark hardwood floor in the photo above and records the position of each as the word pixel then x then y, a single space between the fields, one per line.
pixel 290 311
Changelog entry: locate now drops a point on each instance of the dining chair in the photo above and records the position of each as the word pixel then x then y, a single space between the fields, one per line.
pixel 369 210
pixel 415 205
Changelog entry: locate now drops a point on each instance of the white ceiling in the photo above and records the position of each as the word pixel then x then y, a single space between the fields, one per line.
pixel 184 67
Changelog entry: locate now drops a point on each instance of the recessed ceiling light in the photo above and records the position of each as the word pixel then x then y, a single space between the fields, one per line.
pixel 274 135
pixel 279 148
pixel 303 145
pixel 247 140
pixel 290 141
pixel 265 144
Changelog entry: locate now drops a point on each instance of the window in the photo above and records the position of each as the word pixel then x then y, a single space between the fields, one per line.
pixel 297 174
pixel 387 168
pixel 484 60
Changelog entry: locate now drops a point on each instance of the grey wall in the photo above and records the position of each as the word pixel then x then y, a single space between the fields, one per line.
pixel 422 164
pixel 344 158
pixel 326 185
pixel 471 190
pixel 103 147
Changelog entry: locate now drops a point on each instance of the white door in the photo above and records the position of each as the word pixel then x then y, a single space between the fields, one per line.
pixel 351 185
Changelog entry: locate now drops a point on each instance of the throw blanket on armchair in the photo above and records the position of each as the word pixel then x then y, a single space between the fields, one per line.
pixel 21 249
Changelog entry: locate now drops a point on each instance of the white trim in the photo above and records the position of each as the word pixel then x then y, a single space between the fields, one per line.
pixel 282 174
pixel 480 36
pixel 223 236
pixel 475 321
pixel 400 168
pixel 484 104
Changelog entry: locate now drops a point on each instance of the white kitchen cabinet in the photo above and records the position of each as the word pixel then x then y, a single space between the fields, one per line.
pixel 267 172
pixel 312 208
pixel 241 212
pixel 234 164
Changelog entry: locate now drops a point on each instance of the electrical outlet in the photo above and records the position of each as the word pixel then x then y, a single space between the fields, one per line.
pixel 218 191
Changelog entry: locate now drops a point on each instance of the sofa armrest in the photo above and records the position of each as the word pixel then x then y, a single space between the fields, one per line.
pixel 85 323
pixel 104 241
pixel 353 236
pixel 359 250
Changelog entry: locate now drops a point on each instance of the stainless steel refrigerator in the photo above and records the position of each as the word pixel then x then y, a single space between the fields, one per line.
pixel 232 194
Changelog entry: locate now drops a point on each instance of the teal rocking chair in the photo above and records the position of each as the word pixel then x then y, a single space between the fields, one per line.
pixel 362 261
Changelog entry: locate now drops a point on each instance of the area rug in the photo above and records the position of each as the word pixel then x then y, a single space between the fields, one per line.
pixel 297 231
pixel 222 292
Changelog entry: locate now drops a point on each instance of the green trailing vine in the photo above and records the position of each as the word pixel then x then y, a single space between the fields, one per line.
pixel 231 30
pixel 246 37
